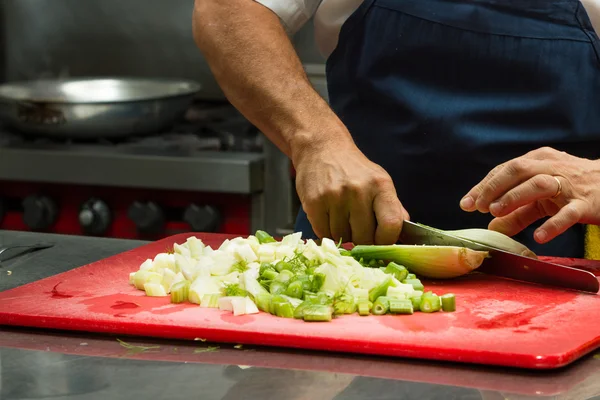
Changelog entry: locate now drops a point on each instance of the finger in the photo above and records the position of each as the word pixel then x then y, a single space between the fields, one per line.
pixel 518 220
pixel 467 203
pixel 565 218
pixel 339 223
pixel 511 175
pixel 318 217
pixel 389 213
pixel 537 188
pixel 362 220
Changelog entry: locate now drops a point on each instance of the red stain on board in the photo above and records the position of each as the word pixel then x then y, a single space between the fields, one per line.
pixel 131 304
pixel 56 294
pixel 123 305
pixel 537 328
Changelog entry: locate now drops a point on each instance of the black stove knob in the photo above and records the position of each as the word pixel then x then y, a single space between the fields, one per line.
pixel 94 217
pixel 202 218
pixel 147 216
pixel 39 212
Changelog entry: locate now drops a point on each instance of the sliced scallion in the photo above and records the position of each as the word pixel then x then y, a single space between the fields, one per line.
pixel 401 306
pixel 448 302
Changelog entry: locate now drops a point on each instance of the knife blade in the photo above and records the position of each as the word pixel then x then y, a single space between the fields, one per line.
pixel 503 263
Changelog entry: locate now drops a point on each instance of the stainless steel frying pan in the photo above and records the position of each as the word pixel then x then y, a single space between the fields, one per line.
pixel 95 107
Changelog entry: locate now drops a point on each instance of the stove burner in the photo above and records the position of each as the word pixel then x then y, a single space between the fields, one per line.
pixel 206 127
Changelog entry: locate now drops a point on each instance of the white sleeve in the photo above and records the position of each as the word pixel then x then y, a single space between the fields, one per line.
pixel 292 13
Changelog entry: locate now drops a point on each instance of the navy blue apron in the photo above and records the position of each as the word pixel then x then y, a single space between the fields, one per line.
pixel 439 92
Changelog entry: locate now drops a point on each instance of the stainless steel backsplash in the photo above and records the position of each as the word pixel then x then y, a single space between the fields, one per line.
pixel 72 38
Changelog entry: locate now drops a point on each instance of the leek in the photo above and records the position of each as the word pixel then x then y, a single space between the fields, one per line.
pixel 429 261
pixel 495 239
pixel 180 292
pixel 155 290
pixel 210 301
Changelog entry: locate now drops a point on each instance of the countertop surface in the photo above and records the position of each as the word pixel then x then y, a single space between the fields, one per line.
pixel 37 364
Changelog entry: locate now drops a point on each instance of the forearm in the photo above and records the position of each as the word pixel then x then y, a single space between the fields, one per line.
pixel 257 67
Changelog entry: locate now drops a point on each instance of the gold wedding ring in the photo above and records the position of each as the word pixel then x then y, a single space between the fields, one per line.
pixel 559 189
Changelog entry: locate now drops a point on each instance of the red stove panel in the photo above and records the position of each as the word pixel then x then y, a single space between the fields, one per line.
pixel 130 213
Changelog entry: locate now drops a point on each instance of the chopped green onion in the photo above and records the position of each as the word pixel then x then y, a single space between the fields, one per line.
pixel 311 297
pixel 363 308
pixel 411 276
pixel 269 274
pixel 416 284
pixel 180 292
pixel 285 276
pixel 283 266
pixel 317 281
pixel 294 290
pixel 401 306
pixel 263 302
pixel 344 252
pixel 430 303
pixel 448 302
pixel 344 304
pixel 398 271
pixel 264 237
pixel 277 287
pixel 397 292
pixel 416 302
pixel 299 311
pixel 381 305
pixel 284 310
pixel 380 290
pixel 318 313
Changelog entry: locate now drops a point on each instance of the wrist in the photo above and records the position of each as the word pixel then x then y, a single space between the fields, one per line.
pixel 305 143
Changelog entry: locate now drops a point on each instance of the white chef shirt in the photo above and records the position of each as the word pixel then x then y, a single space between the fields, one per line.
pixel 330 15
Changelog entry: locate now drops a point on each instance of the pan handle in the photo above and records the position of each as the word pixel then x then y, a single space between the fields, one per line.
pixel 40 113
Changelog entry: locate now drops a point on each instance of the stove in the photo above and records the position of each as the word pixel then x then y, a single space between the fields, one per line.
pixel 207 174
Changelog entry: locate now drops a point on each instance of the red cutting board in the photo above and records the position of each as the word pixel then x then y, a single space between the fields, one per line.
pixel 497 322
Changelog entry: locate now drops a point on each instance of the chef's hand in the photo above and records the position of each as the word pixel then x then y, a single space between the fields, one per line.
pixel 347 196
pixel 544 182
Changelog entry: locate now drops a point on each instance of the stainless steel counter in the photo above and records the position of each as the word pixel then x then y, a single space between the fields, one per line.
pixel 68 365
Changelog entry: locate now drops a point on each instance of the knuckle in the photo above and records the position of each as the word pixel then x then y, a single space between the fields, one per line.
pixel 380 180
pixel 516 167
pixel 572 213
pixel 353 186
pixel 391 221
pixel 543 183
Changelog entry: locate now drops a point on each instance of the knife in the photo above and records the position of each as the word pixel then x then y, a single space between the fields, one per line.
pixel 503 263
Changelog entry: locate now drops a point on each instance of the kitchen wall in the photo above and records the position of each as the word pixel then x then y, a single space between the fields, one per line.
pixel 49 38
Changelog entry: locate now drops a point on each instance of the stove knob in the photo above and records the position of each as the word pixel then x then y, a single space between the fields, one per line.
pixel 202 218
pixel 39 212
pixel 147 216
pixel 94 217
